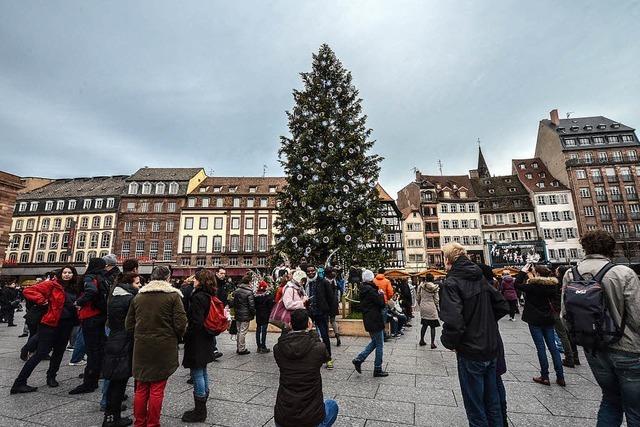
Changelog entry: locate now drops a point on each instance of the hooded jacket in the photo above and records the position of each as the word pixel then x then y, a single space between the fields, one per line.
pixel 371 303
pixel 93 301
pixel 470 309
pixel 157 319
pixel 428 300
pixel 320 296
pixel 539 293
pixel 264 303
pixel 300 403
pixel 385 284
pixel 51 293
pixel 508 288
pixel 244 303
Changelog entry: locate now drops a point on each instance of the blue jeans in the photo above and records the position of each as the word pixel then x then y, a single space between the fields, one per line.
pixel 542 335
pixel 618 374
pixel 261 336
pixel 330 413
pixel 78 347
pixel 200 381
pixel 480 392
pixel 558 341
pixel 397 325
pixel 376 343
pixel 105 382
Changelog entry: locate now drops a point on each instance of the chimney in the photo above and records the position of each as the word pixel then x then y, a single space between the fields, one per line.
pixel 555 118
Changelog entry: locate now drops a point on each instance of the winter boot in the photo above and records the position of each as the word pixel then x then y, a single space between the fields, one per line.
pixel 51 382
pixel 338 343
pixel 378 372
pixel 199 414
pixel 115 420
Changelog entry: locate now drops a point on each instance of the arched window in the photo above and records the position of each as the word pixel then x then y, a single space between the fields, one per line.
pixel 106 240
pixel 80 256
pixel 133 188
pixel 160 188
pixel 91 254
pixel 39 256
pixel 51 257
pixel 146 188
pixel 108 221
pixel 13 257
pixel 95 223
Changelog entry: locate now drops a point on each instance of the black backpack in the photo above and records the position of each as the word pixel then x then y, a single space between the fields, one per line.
pixel 587 311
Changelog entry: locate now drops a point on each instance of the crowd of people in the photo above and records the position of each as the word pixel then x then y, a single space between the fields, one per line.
pixel 126 327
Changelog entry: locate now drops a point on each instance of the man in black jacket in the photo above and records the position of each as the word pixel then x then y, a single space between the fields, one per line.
pixel 470 309
pixel 320 297
pixel 299 355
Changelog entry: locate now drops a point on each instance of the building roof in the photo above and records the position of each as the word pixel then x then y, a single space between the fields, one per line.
pixel 501 194
pixel 383 195
pixel 164 174
pixel 535 176
pixel 454 183
pixel 587 125
pixel 78 187
pixel 483 169
pixel 11 180
pixel 240 183
pixel 406 212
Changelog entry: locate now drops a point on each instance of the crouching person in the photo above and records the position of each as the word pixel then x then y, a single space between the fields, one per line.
pixel 300 355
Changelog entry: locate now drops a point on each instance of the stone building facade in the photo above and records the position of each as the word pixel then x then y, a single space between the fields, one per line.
pixel 412 229
pixel 149 214
pixel 229 222
pixel 597 159
pixel 9 187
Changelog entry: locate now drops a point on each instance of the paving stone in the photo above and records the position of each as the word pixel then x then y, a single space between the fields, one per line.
pixel 416 395
pixel 401 412
pixel 433 415
pixel 75 413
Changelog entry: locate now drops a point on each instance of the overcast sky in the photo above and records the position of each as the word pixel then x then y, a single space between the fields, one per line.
pixel 100 88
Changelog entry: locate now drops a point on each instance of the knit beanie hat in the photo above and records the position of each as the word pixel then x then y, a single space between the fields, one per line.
pixel 367 276
pixel 298 275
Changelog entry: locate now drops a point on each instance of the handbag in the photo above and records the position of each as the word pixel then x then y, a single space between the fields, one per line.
pixel 280 317
pixel 216 321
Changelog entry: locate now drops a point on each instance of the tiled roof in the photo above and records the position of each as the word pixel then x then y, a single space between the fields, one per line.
pixel 408 211
pixel 164 174
pixel 587 125
pixel 78 187
pixel 240 183
pixel 501 194
pixel 539 175
pixel 383 195
pixel 453 182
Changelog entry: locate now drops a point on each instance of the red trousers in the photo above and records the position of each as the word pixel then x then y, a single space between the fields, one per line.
pixel 147 403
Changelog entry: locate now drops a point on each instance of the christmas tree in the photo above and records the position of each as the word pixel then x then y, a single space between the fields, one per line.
pixel 330 201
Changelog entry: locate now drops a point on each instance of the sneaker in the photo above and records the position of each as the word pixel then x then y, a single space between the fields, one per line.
pixel 422 343
pixel 380 373
pixel 330 364
pixel 243 352
pixel 80 363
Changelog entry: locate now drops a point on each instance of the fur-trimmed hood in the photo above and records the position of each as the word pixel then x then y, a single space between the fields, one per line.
pixel 159 286
pixel 548 281
pixel 430 286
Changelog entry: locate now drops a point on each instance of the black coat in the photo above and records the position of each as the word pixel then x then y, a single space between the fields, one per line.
pixel 321 296
pixel 186 290
pixel 470 310
pixel 334 308
pixel 198 342
pixel 539 293
pixel 300 402
pixel 118 350
pixel 371 303
pixel 264 303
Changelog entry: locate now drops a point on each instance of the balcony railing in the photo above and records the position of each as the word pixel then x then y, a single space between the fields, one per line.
pixel 612 178
pixel 616 197
pixel 632 196
pixel 601 197
pixel 597 179
pixel 635 215
pixel 621 216
pixel 626 177
pixel 605 217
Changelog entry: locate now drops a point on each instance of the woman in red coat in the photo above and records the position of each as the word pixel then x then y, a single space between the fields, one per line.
pixel 58 294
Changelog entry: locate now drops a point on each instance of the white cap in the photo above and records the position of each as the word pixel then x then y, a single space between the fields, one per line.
pixel 367 276
pixel 298 275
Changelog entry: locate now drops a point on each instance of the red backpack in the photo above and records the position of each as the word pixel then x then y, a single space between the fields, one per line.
pixel 216 322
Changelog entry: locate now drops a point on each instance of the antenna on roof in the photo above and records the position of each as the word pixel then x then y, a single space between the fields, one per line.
pixel 414 170
pixel 264 170
pixel 569 113
pixel 478 142
pixel 211 172
pixel 440 166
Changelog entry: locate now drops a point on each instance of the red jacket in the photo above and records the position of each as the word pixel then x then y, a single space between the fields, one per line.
pixel 88 298
pixel 48 291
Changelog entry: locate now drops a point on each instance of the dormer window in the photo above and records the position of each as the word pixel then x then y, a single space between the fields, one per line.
pixel 612 139
pixel 528 176
pixel 588 127
pixel 584 141
pixel 540 184
pixel 491 191
pixel 487 182
pixel 146 188
pixel 463 194
pixel 507 180
pixel 160 188
pixel 601 126
pixel 534 165
pixel 574 128
pixel 542 174
pixel 233 188
pixel 48 205
pixel 522 166
pixel 512 190
pixel 173 188
pixel 555 183
pixel 560 129
pixel 272 189
pixel 252 189
pixel 615 125
pixel 446 194
pixel 133 188
pixel 217 189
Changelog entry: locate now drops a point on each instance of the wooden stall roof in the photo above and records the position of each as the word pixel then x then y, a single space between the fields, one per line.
pixel 512 271
pixel 434 272
pixel 396 274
